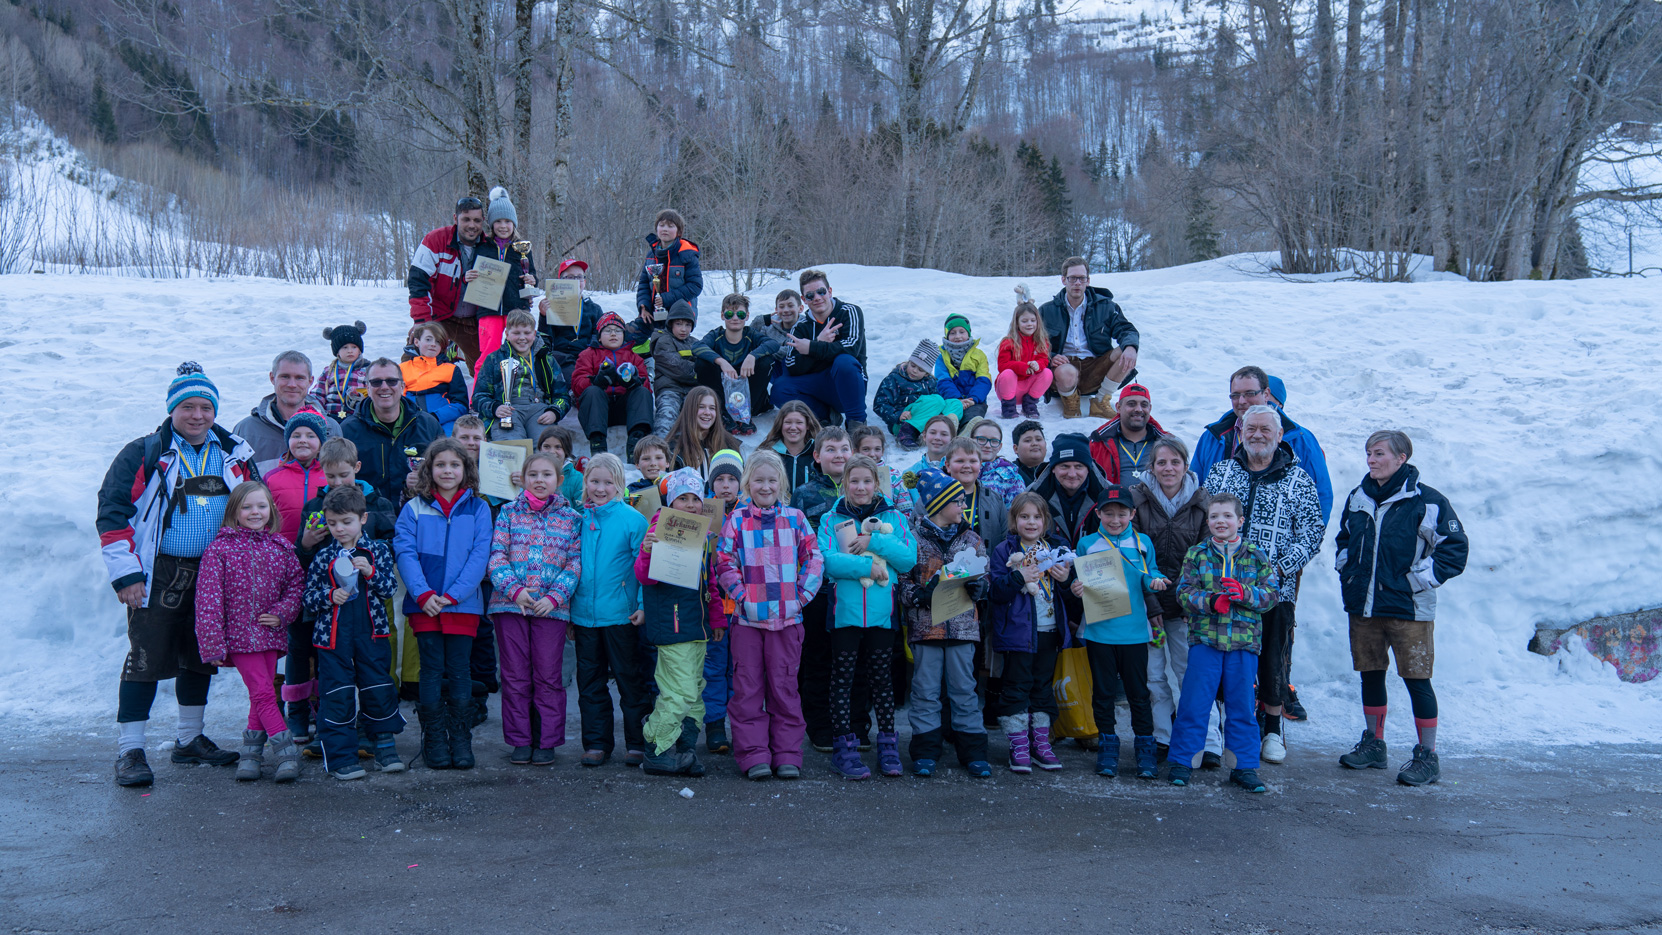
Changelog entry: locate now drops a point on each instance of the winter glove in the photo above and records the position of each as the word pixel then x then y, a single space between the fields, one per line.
pixel 927 592
pixel 977 588
pixel 1221 604
pixel 1233 589
pixel 606 375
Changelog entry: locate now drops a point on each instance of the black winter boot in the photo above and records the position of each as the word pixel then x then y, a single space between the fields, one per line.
pixel 435 736
pixel 461 733
pixel 687 746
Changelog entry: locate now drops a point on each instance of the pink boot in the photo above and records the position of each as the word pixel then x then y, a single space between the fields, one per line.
pixel 1042 754
pixel 1020 762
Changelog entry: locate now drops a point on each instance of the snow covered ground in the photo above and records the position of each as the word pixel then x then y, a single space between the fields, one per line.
pixel 1531 405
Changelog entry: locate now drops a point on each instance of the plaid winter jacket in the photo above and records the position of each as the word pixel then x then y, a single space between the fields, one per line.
pixel 935 549
pixel 768 563
pixel 1283 511
pixel 1200 584
pixel 320 584
pixel 340 388
pixel 539 551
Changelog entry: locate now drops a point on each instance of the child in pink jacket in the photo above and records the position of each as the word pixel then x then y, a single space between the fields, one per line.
pixel 247 593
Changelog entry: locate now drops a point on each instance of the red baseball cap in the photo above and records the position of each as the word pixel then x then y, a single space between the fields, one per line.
pixel 1135 389
pixel 568 263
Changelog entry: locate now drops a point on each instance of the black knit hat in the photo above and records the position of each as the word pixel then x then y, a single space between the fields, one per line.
pixel 342 335
pixel 1070 446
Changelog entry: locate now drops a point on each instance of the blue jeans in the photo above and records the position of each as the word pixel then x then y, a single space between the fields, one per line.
pixel 353 676
pixel 1207 668
pixel 717 688
pixel 840 387
pixel 445 659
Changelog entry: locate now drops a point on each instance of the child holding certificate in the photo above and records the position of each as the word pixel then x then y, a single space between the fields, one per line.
pixel 1118 647
pixel 769 564
pixel 682 613
pixel 1226 586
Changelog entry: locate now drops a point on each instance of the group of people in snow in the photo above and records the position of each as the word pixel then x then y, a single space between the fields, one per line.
pixel 339 530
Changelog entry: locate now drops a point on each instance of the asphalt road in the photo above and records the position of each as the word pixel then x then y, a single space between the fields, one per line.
pixel 1551 840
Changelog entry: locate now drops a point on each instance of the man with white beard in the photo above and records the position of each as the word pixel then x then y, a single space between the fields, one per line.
pixel 1284 519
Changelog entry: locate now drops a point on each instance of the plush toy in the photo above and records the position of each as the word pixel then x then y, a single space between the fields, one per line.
pixel 1042 559
pixel 879 568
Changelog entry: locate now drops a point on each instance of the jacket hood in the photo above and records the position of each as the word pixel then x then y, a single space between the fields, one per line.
pixel 1222 427
pixel 1185 495
pixel 1045 485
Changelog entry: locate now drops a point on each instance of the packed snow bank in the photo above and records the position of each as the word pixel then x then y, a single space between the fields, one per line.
pixel 1531 405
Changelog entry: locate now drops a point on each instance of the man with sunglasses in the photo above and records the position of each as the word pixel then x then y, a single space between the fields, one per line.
pixel 742 352
pixel 387 429
pixel 564 341
pixel 825 361
pixel 440 271
pixel 1091 341
pixel 1251 386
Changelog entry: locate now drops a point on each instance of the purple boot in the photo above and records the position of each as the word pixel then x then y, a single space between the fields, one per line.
pixel 1029 407
pixel 888 753
pixel 1044 757
pixel 1020 761
pixel 845 757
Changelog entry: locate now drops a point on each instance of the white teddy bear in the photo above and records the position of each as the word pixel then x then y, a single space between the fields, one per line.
pixel 879 568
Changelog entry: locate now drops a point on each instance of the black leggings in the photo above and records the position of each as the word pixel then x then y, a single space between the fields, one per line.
pixel 135 698
pixel 871 648
pixel 1419 693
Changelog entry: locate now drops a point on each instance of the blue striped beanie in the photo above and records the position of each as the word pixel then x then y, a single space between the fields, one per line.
pixel 191 381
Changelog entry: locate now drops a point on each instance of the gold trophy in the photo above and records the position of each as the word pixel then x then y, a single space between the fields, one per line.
pixel 509 367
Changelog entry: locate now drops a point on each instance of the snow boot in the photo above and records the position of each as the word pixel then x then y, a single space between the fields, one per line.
pixel 1293 709
pixel 299 720
pixel 1007 408
pixel 635 436
pixel 386 754
pixel 1369 753
pixel 248 758
pixel 435 736
pixel 1247 779
pixel 597 443
pixel 1147 761
pixel 1070 405
pixel 520 756
pixel 715 737
pixel 759 772
pixel 461 734
pixel 787 771
pixel 888 753
pixel 1108 755
pixel 687 747
pixel 907 437
pixel 1015 729
pixel 1422 769
pixel 1029 407
pixel 1044 757
pixel 845 758
pixel 287 755
pixel 1178 774
pixel 667 763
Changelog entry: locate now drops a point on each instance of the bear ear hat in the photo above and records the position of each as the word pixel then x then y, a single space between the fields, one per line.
pixel 362 328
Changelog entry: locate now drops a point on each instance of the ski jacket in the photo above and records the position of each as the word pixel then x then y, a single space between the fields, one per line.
pixel 246 573
pixel 597 366
pixel 384 451
pixel 1009 358
pixel 377 590
pixel 1220 441
pixel 435 277
pixel 1395 551
pixel 264 433
pixel 1200 583
pixel 673 360
pixel 970 379
pixel 137 498
pixel 1172 534
pixel 292 484
pixel 539 379
pixel 1105 322
pixel 1138 563
pixel 537 552
pixel 936 547
pixel 1106 443
pixel 444 554
pixel 816 495
pixel 438 388
pixel 768 563
pixel 681 277
pixel 1001 477
pixel 1012 621
pixel 850 340
pixel 607 592
pixel 1071 524
pixel 853 604
pixel 1283 513
pixel 898 392
pixel 798 467
pixel 673 614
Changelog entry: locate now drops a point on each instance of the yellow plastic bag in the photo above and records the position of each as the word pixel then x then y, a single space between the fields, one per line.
pixel 1073 695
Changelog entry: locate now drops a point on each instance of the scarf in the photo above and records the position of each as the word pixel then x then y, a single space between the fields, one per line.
pixel 957 349
pixel 1191 483
pixel 1378 492
pixel 445 506
pixel 536 503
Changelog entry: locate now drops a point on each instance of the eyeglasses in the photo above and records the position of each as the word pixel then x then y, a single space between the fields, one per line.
pixel 1253 394
pixel 988 441
pixel 816 294
pixel 577 276
pixel 734 313
pixel 385 381
pixel 469 203
pixel 1076 279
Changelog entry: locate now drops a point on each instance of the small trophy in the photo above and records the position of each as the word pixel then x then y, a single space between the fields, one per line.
pixel 509 367
pixel 657 271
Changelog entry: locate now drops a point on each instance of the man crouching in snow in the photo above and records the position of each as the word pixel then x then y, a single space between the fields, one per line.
pixel 160 505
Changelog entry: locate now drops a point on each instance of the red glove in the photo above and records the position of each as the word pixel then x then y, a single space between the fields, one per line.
pixel 1234 589
pixel 1221 605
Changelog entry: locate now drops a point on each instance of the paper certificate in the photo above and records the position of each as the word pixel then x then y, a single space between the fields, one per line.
pixel 485 290
pixel 497 461
pixel 1106 595
pixel 950 599
pixel 646 501
pixel 716 509
pixel 565 302
pixel 678 555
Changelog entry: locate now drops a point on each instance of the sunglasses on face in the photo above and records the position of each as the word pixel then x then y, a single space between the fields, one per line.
pixel 816 294
pixel 385 381
pixel 734 313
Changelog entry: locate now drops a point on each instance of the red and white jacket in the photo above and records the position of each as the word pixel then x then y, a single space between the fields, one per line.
pixel 435 279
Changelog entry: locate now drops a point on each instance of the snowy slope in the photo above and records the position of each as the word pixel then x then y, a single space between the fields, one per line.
pixel 1532 406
